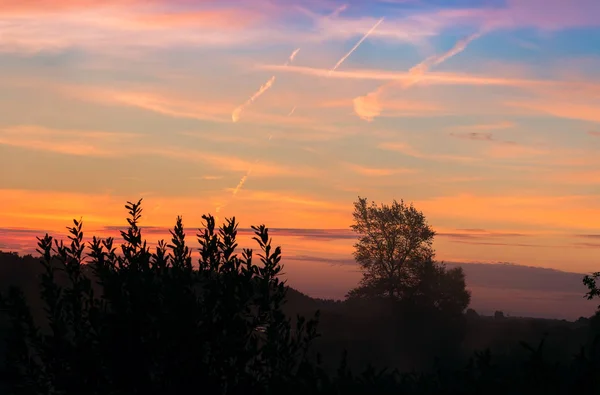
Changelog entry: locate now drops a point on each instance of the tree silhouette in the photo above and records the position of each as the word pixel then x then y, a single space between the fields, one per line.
pixel 137 322
pixel 396 255
pixel 593 290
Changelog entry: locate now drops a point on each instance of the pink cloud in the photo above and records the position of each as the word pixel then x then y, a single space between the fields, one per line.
pixel 557 14
pixel 28 7
pixel 48 25
pixel 549 15
pixel 224 19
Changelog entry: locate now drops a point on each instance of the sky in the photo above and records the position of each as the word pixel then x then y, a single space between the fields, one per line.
pixel 484 114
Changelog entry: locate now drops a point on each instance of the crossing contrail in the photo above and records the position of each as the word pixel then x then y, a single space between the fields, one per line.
pixel 339 63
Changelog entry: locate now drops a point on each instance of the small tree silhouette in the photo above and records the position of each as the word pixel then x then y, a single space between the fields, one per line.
pixel 151 323
pixel 590 282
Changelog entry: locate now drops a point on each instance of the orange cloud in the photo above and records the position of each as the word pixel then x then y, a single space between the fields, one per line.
pixel 554 212
pixel 70 142
pixel 514 151
pixel 162 103
pixel 582 177
pixel 111 145
pixel 53 210
pixel 377 172
pixel 234 164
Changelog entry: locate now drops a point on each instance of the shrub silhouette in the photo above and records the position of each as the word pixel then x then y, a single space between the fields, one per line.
pixel 144 323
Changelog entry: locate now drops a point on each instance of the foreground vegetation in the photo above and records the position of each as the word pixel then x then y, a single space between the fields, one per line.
pixel 127 320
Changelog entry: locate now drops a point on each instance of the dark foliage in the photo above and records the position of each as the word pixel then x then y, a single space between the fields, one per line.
pixel 396 254
pixel 132 321
pixel 155 323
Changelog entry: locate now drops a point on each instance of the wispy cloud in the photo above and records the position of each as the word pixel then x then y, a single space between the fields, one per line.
pixel 111 25
pixel 232 163
pixel 404 77
pixel 377 171
pixel 561 108
pixel 69 142
pixel 408 150
pixel 175 104
pixel 485 126
pixel 170 104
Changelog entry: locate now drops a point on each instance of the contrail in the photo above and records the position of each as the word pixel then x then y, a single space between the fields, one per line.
pixel 237 188
pixel 343 59
pixel 339 63
pixel 242 182
pixel 420 69
pixel 338 11
pixel 292 56
pixel 235 115
pixel 367 107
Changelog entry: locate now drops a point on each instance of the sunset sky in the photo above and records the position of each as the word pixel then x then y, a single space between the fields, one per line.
pixel 485 114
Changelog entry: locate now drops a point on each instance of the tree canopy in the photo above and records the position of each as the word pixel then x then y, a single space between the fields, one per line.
pixel 396 254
